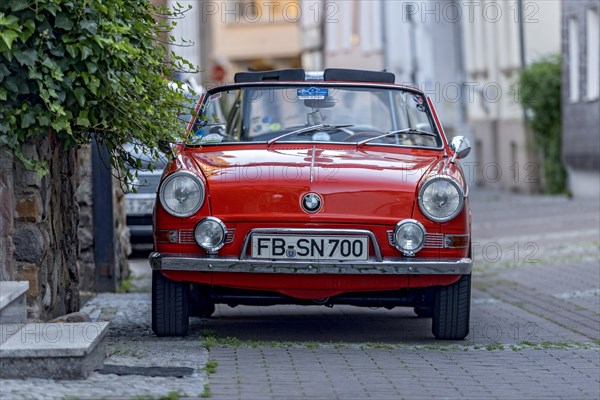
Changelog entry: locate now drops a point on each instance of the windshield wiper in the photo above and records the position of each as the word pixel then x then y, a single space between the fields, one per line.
pixel 308 129
pixel 411 131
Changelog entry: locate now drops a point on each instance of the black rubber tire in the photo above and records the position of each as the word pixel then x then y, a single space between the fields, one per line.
pixel 451 310
pixel 424 312
pixel 170 309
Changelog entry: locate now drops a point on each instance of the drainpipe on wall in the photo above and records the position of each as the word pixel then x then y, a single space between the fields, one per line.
pixel 530 148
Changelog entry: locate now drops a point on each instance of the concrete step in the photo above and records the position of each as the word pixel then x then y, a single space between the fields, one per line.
pixel 53 350
pixel 13 305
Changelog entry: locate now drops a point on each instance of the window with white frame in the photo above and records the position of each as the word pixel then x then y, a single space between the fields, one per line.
pixel 573 60
pixel 593 56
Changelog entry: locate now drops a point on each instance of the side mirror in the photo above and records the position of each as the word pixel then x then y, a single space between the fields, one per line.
pixel 461 147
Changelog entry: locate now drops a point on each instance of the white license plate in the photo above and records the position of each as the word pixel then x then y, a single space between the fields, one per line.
pixel 139 206
pixel 291 247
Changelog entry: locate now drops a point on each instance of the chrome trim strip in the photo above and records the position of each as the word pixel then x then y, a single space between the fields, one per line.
pixel 186 236
pixel 311 232
pixel 230 235
pixel 312 164
pixel 391 266
pixel 432 240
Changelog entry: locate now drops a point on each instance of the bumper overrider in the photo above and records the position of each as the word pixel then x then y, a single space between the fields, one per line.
pixel 391 266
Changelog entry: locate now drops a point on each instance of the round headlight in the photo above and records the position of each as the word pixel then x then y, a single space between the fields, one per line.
pixel 182 194
pixel 441 199
pixel 210 234
pixel 409 236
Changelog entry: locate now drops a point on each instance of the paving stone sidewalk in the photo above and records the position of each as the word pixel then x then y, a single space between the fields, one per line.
pixel 534 331
pixel 534 334
pixel 131 346
pixel 266 373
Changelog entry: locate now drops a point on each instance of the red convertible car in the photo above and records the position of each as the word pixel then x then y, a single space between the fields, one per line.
pixel 314 188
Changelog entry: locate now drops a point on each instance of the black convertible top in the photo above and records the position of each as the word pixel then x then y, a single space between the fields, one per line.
pixel 330 74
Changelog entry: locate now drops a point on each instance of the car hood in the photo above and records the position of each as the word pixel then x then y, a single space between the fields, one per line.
pixel 259 185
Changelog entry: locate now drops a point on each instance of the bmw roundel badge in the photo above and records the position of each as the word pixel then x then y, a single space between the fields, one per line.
pixel 311 202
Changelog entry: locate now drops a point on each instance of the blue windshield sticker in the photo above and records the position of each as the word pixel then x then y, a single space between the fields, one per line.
pixel 312 93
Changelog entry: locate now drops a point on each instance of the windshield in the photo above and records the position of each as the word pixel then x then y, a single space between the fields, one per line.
pixel 340 114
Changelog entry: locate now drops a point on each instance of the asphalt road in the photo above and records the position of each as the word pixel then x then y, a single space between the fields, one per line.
pixel 535 329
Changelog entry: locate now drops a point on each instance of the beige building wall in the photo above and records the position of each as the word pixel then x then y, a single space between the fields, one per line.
pixel 353 35
pixel 251 34
pixel 506 154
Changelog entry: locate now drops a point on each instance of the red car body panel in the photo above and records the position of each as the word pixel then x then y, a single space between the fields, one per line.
pixel 381 182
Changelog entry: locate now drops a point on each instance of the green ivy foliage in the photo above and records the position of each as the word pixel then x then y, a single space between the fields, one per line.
pixel 89 68
pixel 540 94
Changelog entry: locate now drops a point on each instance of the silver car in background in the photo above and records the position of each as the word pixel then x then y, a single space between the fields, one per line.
pixel 139 204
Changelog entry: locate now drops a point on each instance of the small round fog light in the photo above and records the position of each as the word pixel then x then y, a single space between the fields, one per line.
pixel 409 236
pixel 210 234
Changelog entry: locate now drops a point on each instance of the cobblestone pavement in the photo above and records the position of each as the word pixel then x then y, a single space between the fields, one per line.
pixel 131 344
pixel 534 335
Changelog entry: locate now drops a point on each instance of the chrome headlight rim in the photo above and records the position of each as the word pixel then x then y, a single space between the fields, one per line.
pixel 461 197
pixel 221 224
pixel 399 225
pixel 175 175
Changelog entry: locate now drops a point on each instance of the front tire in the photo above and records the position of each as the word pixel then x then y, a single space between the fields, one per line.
pixel 170 312
pixel 451 310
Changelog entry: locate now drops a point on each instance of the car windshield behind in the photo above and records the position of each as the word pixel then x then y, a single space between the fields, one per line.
pixel 340 114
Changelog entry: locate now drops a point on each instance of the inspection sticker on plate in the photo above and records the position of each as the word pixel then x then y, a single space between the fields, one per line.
pixel 312 93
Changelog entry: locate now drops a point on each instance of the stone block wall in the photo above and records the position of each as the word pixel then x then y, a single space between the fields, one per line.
pixel 38 227
pixel 46 227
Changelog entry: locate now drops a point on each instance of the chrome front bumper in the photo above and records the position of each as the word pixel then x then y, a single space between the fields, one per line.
pixel 390 266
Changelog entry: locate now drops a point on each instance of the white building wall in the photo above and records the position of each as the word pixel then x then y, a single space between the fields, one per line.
pixel 188 30
pixel 353 34
pixel 493 63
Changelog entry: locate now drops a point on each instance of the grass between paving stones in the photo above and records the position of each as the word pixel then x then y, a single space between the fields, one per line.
pixel 211 367
pixel 206 393
pixel 211 340
pixel 127 286
pixel 169 396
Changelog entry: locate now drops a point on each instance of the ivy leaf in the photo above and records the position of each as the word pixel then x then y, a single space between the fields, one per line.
pixel 10 22
pixel 8 37
pixel 12 84
pixel 18 5
pixel 27 119
pixel 4 72
pixel 43 120
pixel 79 94
pixel 63 22
pixel 26 57
pixel 86 52
pixel 89 25
pixel 83 120
pixel 92 67
pixel 72 50
pixel 61 124
pixel 3 94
